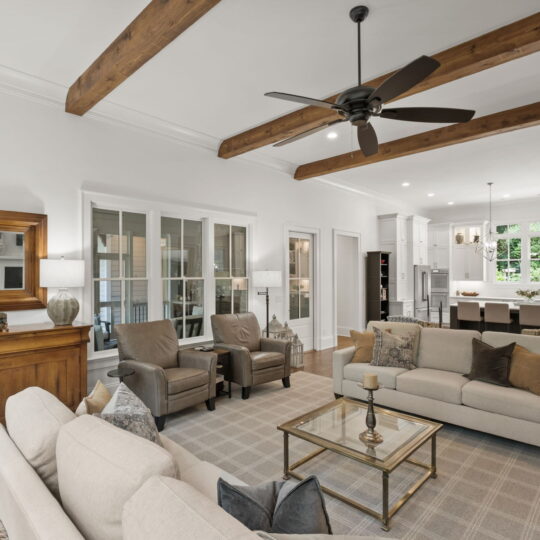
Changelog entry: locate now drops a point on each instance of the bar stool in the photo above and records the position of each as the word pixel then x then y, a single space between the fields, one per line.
pixel 469 312
pixel 529 315
pixel 497 313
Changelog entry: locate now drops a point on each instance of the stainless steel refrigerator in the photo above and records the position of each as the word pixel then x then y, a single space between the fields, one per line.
pixel 422 288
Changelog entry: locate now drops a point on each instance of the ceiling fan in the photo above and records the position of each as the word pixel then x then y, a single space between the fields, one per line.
pixel 358 104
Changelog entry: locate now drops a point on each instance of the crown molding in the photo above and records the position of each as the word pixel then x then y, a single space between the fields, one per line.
pixel 51 94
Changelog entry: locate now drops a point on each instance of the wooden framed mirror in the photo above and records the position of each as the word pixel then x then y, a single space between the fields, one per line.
pixel 23 242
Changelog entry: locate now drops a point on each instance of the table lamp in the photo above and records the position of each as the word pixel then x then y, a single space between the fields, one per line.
pixel 62 274
pixel 266 279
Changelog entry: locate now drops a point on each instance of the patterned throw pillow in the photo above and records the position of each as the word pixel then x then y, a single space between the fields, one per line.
pixel 126 411
pixel 391 350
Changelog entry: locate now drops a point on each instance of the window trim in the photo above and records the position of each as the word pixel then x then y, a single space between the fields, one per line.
pixel 525 234
pixel 154 210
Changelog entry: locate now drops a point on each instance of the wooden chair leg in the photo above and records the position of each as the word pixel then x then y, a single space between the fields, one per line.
pixel 211 404
pixel 286 382
pixel 245 392
pixel 160 422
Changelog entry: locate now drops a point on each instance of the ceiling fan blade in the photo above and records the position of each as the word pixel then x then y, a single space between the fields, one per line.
pixel 404 79
pixel 306 133
pixel 367 139
pixel 428 114
pixel 304 100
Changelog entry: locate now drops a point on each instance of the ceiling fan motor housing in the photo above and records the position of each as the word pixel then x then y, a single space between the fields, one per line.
pixel 355 102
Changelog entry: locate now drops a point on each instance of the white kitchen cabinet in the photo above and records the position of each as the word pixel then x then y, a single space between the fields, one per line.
pixel 439 246
pixel 418 239
pixel 467 264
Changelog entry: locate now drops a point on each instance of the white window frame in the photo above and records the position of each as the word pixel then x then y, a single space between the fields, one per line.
pixel 154 210
pixel 525 234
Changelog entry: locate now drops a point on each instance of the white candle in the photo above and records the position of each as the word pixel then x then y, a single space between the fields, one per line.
pixel 371 381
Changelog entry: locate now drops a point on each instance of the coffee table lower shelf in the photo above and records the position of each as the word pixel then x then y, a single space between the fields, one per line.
pixel 387 512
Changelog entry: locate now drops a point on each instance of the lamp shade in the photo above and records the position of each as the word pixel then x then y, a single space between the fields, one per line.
pixel 266 278
pixel 61 273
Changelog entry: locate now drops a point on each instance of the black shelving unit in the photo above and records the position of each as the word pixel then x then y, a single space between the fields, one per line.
pixel 377 285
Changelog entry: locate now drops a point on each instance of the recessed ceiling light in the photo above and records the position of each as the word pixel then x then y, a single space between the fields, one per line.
pixel 331 135
pixel 431 194
pixel 406 184
pixel 450 203
pixel 506 195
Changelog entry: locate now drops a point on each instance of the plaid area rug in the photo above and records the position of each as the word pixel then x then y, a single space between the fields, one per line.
pixel 487 488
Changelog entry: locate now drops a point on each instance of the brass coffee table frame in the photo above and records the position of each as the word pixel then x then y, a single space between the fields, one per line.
pixel 398 457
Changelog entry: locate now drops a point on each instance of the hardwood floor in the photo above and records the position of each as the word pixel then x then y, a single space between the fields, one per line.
pixel 320 362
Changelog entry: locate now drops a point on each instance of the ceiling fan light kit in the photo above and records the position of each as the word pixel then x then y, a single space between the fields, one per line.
pixel 358 104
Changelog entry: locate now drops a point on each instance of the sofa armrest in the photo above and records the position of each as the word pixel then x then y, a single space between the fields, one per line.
pixel 190 358
pixel 282 346
pixel 340 359
pixel 149 383
pixel 242 369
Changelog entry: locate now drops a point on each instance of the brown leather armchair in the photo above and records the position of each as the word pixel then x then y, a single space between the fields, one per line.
pixel 166 378
pixel 255 360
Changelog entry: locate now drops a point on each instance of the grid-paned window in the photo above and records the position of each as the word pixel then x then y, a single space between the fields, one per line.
pixel 534 251
pixel 182 275
pixel 120 285
pixel 230 268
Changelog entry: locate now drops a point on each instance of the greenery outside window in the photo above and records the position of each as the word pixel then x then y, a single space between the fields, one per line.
pixel 534 252
pixel 120 284
pixel 182 275
pixel 230 268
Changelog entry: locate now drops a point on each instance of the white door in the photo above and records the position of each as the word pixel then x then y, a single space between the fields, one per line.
pixel 301 287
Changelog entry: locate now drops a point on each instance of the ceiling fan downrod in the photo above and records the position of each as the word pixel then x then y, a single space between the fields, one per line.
pixel 358 14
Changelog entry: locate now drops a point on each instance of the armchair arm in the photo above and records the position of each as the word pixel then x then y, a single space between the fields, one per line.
pixel 190 358
pixel 149 383
pixel 242 369
pixel 279 345
pixel 340 359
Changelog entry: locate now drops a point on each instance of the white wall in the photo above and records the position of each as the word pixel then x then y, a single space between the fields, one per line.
pixel 47 157
pixel 348 283
pixel 503 212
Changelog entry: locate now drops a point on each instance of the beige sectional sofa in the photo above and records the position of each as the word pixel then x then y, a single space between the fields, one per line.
pixel 112 484
pixel 437 388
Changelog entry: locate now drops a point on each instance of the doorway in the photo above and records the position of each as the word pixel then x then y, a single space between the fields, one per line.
pixel 301 287
pixel 347 278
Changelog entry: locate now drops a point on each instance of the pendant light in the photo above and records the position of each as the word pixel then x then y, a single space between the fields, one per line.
pixel 487 247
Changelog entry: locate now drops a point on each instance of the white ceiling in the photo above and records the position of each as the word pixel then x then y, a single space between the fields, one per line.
pixel 212 78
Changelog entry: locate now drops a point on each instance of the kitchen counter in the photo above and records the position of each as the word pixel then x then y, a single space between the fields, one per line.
pixel 453 299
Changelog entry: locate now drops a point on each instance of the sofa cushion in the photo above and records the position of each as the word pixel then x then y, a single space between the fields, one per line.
pixel 525 370
pixel 491 364
pixel 400 329
pixel 433 383
pixel 183 379
pixel 393 351
pixel 33 420
pixel 503 400
pixel 263 360
pixel 126 411
pixel 363 346
pixel 168 509
pixel 183 458
pixel 449 350
pixel 498 339
pixel 387 375
pixel 99 468
pixel 204 476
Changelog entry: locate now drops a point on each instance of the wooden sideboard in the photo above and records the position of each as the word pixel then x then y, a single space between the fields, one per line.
pixel 52 357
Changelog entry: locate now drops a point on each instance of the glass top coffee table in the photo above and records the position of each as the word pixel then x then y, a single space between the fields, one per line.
pixel 337 426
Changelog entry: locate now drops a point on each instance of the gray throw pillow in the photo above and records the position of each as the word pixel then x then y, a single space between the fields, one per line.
pixel 126 411
pixel 391 350
pixel 280 507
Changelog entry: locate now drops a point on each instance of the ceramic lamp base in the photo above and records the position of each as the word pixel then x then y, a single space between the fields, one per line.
pixel 63 308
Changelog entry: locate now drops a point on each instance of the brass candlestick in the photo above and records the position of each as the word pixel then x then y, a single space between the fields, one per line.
pixel 370 436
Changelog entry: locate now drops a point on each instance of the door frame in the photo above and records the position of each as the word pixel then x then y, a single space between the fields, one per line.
pixel 360 292
pixel 316 280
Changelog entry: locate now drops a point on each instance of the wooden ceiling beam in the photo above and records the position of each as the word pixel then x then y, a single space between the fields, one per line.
pixel 478 128
pixel 507 43
pixel 159 23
